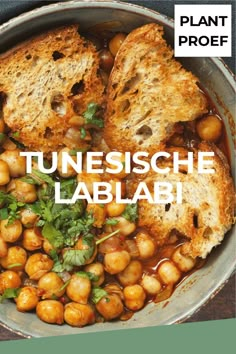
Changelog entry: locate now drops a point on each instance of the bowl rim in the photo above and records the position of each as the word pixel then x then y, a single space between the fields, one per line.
pixel 139 9
pixel 154 15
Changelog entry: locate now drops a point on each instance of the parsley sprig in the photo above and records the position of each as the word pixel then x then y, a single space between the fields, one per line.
pixel 91 117
pixel 10 207
pixel 73 257
pixel 38 178
pixel 97 294
pixel 131 212
pixel 10 293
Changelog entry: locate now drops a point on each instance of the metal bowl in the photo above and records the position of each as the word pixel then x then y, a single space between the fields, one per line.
pixel 216 78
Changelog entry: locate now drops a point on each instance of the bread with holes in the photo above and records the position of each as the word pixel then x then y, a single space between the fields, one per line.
pixel 207 209
pixel 44 82
pixel 148 92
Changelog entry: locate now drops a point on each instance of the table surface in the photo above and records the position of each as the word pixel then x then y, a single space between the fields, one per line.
pixel 223 305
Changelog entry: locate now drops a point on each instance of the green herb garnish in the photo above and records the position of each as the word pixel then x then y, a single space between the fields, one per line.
pixel 13 265
pixel 57 267
pixel 73 258
pixel 90 115
pixel 107 237
pixel 10 293
pixel 97 294
pixel 64 285
pixel 61 226
pixel 16 134
pixel 10 207
pixel 53 235
pixel 131 212
pixel 42 177
pixel 17 143
pixel 89 275
pixel 83 133
pixel 111 221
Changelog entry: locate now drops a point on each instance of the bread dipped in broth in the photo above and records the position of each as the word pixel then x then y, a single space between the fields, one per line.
pixel 45 82
pixel 148 92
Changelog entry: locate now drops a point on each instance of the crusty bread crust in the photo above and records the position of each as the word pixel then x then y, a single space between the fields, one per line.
pixel 148 92
pixel 46 80
pixel 207 210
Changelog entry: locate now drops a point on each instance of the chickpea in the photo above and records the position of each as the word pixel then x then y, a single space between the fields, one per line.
pixel 132 248
pixel 169 273
pixel 209 128
pixel 3 247
pixel 131 274
pixel 111 244
pixel 184 263
pixel 15 259
pixel 4 173
pixel 28 217
pixel 98 270
pixel 37 265
pixel 114 288
pixel 121 159
pixel 27 299
pixel 115 262
pixel 79 315
pixel 70 170
pixel 47 247
pixel 79 289
pixel 125 226
pixel 110 306
pixel 134 297
pixel 31 240
pixel 89 179
pixel 145 244
pixel 115 209
pixel 50 311
pixel 24 192
pixel 106 60
pixel 76 121
pixel 115 43
pixel 9 279
pixel 99 213
pixel 50 284
pixel 11 232
pixel 151 284
pixel 16 163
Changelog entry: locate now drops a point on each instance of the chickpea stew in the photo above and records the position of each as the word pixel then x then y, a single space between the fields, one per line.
pixel 85 263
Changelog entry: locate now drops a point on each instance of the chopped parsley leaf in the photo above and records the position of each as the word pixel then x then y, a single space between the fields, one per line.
pixel 83 133
pixel 97 294
pixel 131 212
pixel 10 293
pixel 111 221
pixel 90 115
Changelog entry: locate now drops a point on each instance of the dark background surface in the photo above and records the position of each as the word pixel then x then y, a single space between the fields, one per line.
pixel 223 305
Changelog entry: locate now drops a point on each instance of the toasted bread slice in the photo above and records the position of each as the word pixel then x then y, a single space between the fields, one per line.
pixel 46 81
pixel 148 92
pixel 207 209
